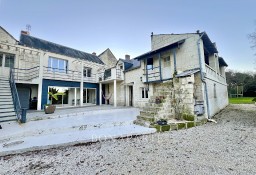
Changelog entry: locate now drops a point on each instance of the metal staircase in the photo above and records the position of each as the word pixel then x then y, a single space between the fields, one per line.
pixel 7 111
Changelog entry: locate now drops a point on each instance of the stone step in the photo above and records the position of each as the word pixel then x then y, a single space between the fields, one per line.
pixel 152 109
pixel 8 119
pixel 7 114
pixel 147 114
pixel 4 106
pixel 5 110
pixel 141 123
pixel 6 102
pixel 153 105
pixel 5 90
pixel 5 93
pixel 149 119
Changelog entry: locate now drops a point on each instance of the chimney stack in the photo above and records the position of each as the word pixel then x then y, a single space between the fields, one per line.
pixel 198 31
pixel 94 53
pixel 24 32
pixel 127 57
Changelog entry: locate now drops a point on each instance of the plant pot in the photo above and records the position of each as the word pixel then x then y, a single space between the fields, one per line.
pixel 49 109
pixel 160 122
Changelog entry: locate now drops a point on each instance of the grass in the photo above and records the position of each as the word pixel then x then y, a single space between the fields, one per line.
pixel 241 100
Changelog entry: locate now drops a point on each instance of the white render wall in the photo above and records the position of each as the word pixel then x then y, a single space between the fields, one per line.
pixel 133 77
pixel 186 55
pixel 221 100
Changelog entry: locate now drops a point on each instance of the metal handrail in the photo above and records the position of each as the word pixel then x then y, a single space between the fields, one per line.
pixel 21 74
pixel 16 101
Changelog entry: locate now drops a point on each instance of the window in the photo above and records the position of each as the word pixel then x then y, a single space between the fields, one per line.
pixel 87 72
pixel 9 60
pixel 121 67
pixel 149 63
pixel 57 65
pixel 144 92
pixel 1 60
pixel 167 62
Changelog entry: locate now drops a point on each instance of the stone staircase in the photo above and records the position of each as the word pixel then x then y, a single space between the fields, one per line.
pixel 153 110
pixel 7 112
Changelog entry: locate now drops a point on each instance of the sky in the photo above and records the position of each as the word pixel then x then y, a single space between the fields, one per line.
pixel 125 26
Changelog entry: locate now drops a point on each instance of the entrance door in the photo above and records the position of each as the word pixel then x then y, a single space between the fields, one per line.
pixel 6 62
pixel 130 95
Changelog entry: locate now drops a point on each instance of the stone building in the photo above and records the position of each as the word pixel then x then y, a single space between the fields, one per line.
pixel 183 71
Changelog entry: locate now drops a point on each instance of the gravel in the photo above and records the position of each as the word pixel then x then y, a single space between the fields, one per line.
pixel 228 147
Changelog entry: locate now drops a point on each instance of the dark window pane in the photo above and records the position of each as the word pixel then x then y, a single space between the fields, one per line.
pixel 142 93
pixel 1 60
pixel 146 93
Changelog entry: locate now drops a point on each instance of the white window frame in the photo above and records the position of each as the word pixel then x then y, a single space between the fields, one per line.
pixel 145 91
pixel 58 69
pixel 167 63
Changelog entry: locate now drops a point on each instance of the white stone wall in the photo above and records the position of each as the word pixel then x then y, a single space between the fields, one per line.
pixel 133 77
pixel 186 55
pixel 6 38
pixel 220 101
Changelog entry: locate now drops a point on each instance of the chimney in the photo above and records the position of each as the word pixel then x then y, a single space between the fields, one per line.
pixel 127 57
pixel 198 31
pixel 24 32
pixel 94 53
pixel 215 45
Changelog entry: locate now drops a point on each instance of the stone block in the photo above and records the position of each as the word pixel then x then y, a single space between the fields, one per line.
pixel 190 124
pixel 181 125
pixel 162 128
pixel 188 117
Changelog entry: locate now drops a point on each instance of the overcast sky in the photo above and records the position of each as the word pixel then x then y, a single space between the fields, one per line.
pixel 125 26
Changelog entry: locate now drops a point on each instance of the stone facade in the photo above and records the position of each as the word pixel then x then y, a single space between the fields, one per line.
pixel 108 58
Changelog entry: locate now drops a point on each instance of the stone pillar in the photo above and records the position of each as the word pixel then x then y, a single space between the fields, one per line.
pixel 100 95
pixel 75 98
pixel 82 84
pixel 114 93
pixel 40 83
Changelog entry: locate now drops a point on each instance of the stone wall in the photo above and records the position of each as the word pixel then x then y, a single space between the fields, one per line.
pixel 6 38
pixel 108 58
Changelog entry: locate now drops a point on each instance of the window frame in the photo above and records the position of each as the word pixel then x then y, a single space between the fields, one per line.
pixel 144 93
pixel 165 61
pixel 58 69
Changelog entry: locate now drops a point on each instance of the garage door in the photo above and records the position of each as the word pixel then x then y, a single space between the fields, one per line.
pixel 24 96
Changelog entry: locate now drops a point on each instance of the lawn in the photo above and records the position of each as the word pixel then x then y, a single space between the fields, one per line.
pixel 241 100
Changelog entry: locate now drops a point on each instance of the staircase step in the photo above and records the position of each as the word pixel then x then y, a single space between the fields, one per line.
pixel 6 102
pixel 5 93
pixel 8 119
pixel 4 110
pixel 7 114
pixel 5 106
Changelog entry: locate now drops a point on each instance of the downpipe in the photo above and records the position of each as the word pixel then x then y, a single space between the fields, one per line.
pixel 202 75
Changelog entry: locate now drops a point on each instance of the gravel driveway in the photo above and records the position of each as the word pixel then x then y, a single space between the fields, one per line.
pixel 228 147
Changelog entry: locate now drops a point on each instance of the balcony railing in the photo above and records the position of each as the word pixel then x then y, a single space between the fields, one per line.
pixel 151 75
pixel 66 75
pixel 111 74
pixel 25 74
pixel 213 74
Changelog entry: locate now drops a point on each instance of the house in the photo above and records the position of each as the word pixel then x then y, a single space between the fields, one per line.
pixel 191 58
pixel 39 66
pixel 184 71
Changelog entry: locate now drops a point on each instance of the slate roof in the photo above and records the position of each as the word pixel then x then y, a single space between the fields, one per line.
pixel 130 64
pixel 33 42
pixel 222 62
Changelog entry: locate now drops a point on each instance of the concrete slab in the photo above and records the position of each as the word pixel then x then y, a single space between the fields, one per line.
pixel 92 126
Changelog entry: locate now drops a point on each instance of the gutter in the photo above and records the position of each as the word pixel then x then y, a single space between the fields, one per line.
pixel 202 75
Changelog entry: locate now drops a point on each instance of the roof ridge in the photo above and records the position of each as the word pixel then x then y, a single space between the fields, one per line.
pixel 8 34
pixel 56 44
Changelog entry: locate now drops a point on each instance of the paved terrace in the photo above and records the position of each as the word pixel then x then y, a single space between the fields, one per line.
pixel 69 127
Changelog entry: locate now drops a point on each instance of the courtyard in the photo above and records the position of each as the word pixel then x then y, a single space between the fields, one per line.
pixel 225 147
